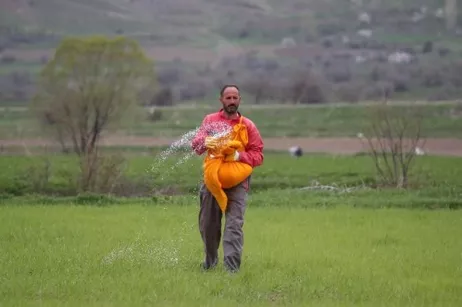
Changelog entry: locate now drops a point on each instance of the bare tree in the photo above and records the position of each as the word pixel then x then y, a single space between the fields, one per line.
pixel 450 12
pixel 88 87
pixel 394 138
pixel 259 86
pixel 306 88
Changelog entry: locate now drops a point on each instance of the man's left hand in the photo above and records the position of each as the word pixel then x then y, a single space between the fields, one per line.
pixel 232 157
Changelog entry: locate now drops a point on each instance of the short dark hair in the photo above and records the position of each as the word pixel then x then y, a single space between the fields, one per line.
pixel 227 86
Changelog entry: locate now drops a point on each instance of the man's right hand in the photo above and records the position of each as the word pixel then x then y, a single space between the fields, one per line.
pixel 211 142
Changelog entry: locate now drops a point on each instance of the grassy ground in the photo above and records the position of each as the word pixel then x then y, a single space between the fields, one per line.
pixel 143 255
pixel 364 246
pixel 298 121
pixel 436 181
pixel 32 68
pixel 440 120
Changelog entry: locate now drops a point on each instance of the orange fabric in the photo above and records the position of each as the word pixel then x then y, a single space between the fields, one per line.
pixel 221 174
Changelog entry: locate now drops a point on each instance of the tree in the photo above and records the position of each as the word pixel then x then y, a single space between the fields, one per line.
pixel 450 12
pixel 259 86
pixel 306 88
pixel 394 137
pixel 89 86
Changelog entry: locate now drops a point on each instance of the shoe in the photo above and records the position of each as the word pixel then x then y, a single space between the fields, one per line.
pixel 230 270
pixel 206 267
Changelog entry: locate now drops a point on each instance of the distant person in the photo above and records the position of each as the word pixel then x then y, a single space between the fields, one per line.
pixel 210 214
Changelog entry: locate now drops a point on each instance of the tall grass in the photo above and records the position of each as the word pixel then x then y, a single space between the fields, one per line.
pixel 142 255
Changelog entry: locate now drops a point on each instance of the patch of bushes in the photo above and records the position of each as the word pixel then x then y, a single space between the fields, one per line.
pixel 330 76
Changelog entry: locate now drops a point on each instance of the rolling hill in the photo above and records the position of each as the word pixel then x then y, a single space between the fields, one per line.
pixel 345 50
pixel 206 22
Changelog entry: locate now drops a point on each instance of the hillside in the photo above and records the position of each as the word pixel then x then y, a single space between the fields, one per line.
pixel 292 51
pixel 205 22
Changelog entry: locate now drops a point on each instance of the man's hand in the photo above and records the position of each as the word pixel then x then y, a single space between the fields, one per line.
pixel 211 142
pixel 228 151
pixel 232 157
pixel 231 152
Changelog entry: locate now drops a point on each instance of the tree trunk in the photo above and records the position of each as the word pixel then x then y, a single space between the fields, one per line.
pixel 450 12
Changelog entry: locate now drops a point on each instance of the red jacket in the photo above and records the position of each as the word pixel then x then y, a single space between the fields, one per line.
pixel 253 154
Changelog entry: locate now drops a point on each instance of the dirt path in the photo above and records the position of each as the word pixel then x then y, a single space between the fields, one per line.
pixel 447 147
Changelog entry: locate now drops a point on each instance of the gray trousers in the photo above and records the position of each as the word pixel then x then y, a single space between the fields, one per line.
pixel 210 217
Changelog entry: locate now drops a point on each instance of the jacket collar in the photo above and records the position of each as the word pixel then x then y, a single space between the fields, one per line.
pixel 222 115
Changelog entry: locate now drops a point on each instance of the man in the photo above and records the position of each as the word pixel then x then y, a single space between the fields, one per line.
pixel 210 215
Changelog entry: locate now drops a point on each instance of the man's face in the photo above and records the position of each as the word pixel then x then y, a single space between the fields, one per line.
pixel 230 100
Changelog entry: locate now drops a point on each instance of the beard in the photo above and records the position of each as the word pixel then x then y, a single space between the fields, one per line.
pixel 231 109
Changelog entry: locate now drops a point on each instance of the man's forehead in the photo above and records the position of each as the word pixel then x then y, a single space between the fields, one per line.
pixel 230 91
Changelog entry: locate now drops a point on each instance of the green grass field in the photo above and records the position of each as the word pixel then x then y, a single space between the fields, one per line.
pixel 435 181
pixel 303 245
pixel 144 254
pixel 440 120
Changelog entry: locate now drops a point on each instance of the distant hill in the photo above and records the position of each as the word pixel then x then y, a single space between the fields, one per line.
pixel 291 51
pixel 205 22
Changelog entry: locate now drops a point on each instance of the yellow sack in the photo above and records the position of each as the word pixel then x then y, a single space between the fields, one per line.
pixel 220 174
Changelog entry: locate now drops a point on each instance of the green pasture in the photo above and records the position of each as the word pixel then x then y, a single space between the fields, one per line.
pixel 144 254
pixel 309 181
pixel 317 232
pixel 440 120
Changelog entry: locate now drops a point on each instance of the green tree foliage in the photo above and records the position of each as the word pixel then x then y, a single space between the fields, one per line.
pixel 91 84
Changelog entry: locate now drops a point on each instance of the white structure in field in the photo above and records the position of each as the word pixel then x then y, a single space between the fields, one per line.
pixel 296 151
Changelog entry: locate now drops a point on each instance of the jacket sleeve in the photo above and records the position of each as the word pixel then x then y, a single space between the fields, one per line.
pixel 197 143
pixel 253 154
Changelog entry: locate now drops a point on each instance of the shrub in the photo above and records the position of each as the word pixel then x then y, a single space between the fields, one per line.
pixel 393 136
